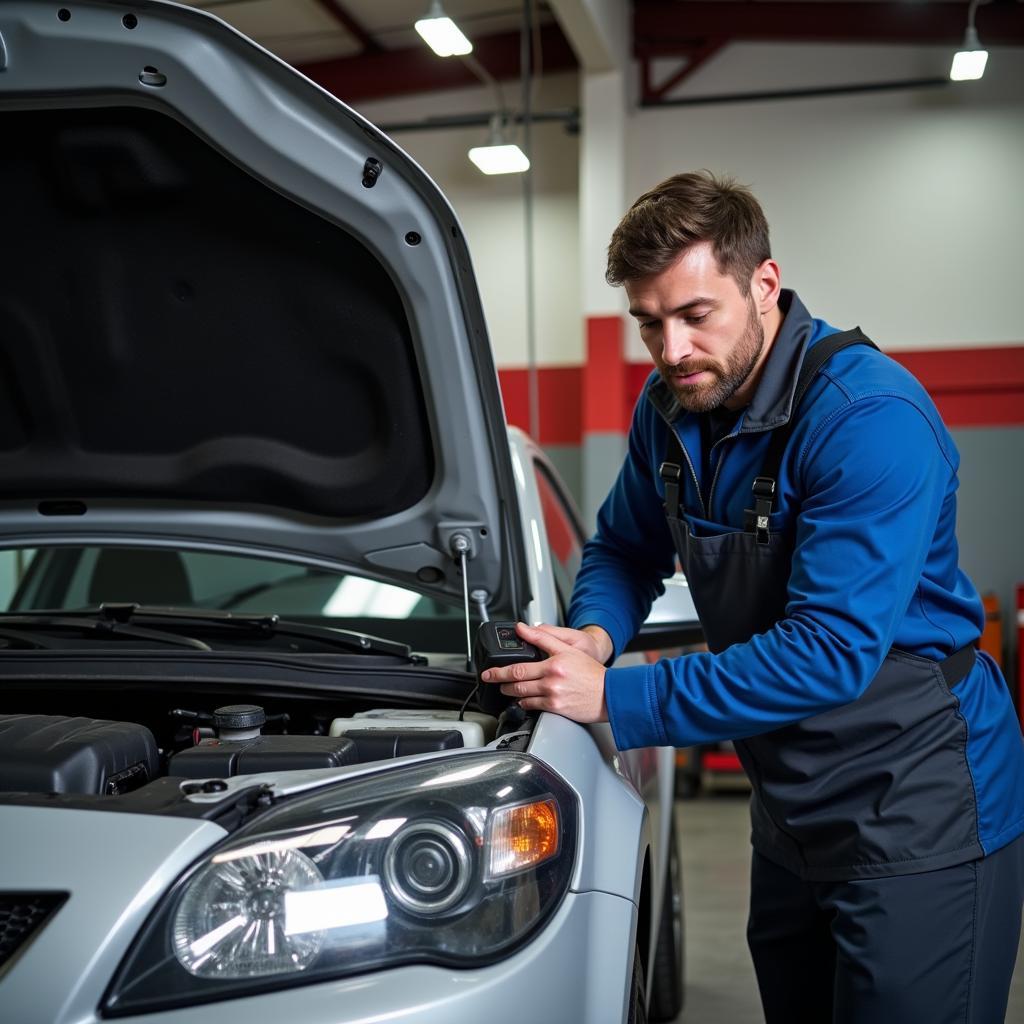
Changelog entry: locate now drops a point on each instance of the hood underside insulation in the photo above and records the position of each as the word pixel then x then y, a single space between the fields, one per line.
pixel 173 329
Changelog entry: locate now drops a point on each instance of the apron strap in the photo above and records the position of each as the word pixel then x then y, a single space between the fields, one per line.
pixel 764 484
pixel 671 472
pixel 957 666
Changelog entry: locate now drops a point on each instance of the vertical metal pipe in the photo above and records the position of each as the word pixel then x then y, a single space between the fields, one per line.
pixel 526 86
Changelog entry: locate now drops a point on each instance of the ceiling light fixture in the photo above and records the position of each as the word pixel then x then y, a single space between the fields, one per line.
pixel 970 60
pixel 498 156
pixel 441 34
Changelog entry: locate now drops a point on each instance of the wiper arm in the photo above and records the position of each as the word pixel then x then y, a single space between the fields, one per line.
pixel 111 623
pixel 25 639
pixel 120 619
pixel 270 625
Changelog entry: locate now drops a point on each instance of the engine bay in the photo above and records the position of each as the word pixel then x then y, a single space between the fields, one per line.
pixel 108 744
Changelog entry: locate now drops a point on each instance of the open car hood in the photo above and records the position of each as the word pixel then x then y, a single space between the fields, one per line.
pixel 233 315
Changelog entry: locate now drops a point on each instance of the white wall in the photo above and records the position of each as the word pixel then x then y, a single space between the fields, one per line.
pixel 490 210
pixel 901 211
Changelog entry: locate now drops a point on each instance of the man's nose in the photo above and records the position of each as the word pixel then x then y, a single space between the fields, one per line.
pixel 675 343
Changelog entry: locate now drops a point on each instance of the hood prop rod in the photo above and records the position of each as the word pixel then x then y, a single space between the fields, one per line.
pixel 460 547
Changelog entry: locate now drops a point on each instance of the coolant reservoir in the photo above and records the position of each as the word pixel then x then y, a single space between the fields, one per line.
pixel 235 722
pixel 477 729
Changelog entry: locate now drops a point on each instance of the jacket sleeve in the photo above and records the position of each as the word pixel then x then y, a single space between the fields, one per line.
pixel 631 553
pixel 873 478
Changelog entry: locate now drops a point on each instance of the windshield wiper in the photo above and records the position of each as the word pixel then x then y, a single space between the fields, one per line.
pixel 274 625
pixel 111 615
pixel 108 624
pixel 24 640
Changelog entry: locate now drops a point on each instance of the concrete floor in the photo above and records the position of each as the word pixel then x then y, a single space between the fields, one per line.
pixel 714 839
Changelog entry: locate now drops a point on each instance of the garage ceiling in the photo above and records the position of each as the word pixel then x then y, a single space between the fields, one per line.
pixel 305 31
pixel 364 49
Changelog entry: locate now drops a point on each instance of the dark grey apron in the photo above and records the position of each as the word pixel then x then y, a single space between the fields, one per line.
pixel 876 787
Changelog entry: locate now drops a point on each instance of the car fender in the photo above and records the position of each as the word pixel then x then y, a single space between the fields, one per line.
pixel 615 825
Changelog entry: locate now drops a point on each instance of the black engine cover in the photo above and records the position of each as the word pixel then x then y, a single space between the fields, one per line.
pixel 51 754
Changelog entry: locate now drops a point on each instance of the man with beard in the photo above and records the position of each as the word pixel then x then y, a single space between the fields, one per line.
pixel 807 485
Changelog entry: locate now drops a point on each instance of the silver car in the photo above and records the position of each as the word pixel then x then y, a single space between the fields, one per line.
pixel 257 497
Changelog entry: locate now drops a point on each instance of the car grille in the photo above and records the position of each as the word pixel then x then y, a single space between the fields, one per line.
pixel 22 914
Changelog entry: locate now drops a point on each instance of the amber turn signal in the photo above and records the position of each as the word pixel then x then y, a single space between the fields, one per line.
pixel 522 837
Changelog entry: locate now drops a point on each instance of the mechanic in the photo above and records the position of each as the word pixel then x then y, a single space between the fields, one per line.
pixel 808 487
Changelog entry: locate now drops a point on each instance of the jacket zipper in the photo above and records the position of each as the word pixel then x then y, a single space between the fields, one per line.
pixel 714 479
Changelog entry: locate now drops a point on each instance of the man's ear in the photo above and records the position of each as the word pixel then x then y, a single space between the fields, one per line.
pixel 765 285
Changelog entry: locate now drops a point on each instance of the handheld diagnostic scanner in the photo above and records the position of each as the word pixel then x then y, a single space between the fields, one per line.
pixel 497 645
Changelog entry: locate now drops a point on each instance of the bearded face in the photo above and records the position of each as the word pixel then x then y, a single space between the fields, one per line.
pixel 707 333
pixel 702 383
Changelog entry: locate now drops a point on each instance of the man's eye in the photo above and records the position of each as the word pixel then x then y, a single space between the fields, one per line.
pixel 647 324
pixel 697 319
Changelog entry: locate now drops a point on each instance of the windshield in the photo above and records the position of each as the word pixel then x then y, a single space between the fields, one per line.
pixel 69 578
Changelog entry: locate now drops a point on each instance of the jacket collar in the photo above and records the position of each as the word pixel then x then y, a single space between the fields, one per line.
pixel 772 404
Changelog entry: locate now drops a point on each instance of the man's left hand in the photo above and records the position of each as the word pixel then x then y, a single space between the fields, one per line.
pixel 568 682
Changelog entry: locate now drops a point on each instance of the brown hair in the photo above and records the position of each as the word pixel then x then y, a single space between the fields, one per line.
pixel 684 210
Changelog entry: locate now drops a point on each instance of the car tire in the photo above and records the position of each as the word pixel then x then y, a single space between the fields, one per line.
pixel 637 996
pixel 668 990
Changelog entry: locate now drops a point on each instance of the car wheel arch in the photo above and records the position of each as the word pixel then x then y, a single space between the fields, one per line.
pixel 645 918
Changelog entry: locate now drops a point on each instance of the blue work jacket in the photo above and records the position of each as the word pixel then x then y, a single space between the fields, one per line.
pixel 867 490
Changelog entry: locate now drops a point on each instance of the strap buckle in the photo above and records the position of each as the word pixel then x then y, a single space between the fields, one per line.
pixel 764 496
pixel 671 473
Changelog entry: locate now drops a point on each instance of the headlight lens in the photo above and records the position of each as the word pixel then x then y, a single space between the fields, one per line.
pixel 456 862
pixel 428 867
pixel 235 921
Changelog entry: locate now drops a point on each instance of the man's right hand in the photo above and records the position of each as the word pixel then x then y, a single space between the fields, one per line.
pixel 591 640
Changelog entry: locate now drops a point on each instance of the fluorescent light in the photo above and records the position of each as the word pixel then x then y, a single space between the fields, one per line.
pixel 499 159
pixel 968 65
pixel 970 60
pixel 441 34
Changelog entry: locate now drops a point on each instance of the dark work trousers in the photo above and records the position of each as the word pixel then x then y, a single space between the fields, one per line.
pixel 930 948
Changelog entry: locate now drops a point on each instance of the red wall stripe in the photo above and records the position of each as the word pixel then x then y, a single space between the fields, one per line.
pixel 972 387
pixel 606 406
pixel 559 389
pixel 637 374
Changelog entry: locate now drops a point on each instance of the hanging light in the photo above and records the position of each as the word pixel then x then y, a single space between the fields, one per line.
pixel 441 34
pixel 970 60
pixel 498 156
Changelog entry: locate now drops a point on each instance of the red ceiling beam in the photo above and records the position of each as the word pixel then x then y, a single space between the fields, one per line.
pixel 417 69
pixel 663 27
pixel 651 93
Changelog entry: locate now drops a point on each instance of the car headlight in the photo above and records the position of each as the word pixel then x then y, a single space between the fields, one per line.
pixel 455 862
